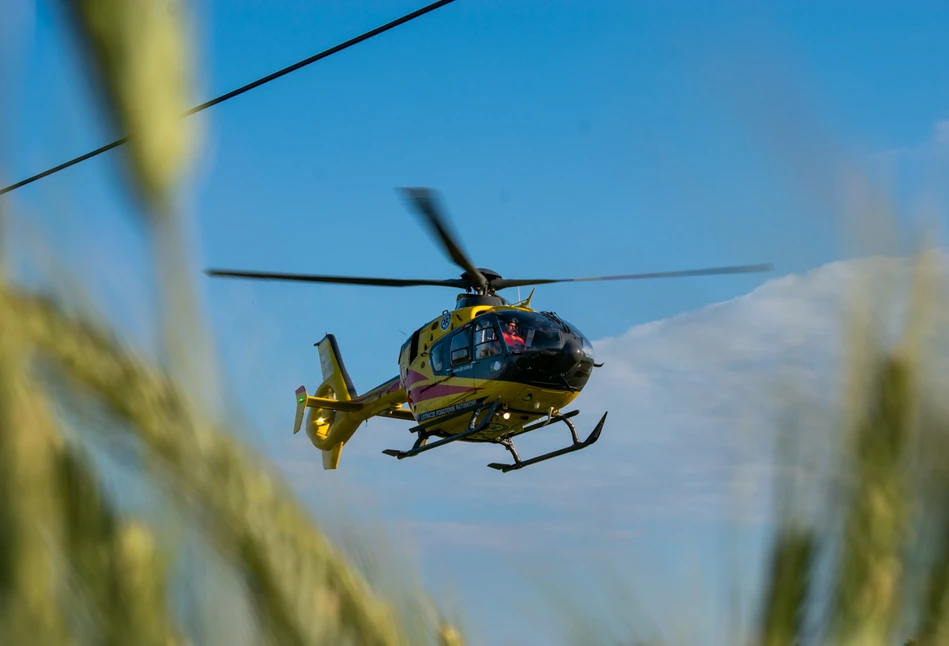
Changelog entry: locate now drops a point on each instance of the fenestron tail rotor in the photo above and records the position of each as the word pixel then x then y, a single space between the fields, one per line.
pixel 424 203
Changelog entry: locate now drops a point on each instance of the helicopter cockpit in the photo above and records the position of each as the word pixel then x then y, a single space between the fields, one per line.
pixel 523 331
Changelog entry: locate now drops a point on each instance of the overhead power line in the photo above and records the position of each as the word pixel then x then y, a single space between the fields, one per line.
pixel 245 88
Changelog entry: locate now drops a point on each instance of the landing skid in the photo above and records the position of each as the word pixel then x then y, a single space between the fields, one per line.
pixel 474 427
pixel 508 443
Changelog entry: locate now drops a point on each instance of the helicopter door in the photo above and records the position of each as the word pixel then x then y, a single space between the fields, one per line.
pixel 487 349
pixel 487 360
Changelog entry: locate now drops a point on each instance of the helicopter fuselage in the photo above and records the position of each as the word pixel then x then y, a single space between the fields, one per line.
pixel 533 363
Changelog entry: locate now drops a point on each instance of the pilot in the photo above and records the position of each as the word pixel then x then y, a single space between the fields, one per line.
pixel 512 336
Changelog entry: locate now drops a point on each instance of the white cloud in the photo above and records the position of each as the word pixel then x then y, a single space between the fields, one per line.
pixel 717 381
pixel 941 135
pixel 932 147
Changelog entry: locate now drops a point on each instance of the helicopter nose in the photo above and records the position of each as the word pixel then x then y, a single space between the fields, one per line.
pixel 571 354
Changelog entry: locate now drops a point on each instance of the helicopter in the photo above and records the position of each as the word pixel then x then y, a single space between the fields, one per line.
pixel 486 371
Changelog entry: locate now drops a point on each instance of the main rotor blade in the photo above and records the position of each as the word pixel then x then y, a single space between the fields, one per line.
pixel 502 283
pixel 343 280
pixel 425 203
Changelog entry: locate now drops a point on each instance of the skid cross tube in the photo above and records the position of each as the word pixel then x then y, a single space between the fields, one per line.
pixel 551 420
pixel 421 444
pixel 508 443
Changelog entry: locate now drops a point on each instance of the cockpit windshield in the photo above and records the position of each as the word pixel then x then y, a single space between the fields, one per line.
pixel 529 331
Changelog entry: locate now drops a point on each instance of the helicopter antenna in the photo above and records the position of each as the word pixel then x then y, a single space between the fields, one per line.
pixel 245 88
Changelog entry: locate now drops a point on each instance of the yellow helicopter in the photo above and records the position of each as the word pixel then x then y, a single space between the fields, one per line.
pixel 486 371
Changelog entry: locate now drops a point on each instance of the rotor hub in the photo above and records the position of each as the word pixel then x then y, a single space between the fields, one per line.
pixel 489 275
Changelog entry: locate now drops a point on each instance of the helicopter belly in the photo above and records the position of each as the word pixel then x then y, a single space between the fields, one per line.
pixel 527 405
pixel 518 407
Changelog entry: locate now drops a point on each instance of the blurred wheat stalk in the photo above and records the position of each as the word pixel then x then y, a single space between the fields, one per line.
pixel 888 582
pixel 73 569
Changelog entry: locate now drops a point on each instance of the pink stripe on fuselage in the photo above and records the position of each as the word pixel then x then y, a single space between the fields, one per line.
pixel 412 377
pixel 423 393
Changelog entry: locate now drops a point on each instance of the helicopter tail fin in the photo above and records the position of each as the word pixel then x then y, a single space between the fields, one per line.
pixel 335 377
pixel 335 411
pixel 329 411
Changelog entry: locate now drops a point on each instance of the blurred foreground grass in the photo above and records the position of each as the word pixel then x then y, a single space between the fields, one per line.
pixel 76 568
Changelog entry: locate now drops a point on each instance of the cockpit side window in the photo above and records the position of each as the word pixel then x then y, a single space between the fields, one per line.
pixel 486 340
pixel 437 357
pixel 461 346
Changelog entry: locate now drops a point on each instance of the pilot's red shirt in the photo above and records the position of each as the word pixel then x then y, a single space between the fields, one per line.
pixel 513 341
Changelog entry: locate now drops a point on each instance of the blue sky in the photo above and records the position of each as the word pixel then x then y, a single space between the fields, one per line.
pixel 567 139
